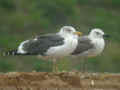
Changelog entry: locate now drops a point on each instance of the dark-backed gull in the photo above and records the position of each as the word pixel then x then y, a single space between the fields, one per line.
pixel 59 44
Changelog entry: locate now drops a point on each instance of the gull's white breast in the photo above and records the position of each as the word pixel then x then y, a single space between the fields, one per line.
pixel 99 45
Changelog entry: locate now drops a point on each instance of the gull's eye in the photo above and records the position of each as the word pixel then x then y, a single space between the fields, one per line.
pixel 69 30
pixel 97 33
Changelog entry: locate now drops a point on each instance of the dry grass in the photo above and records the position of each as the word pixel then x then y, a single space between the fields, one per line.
pixel 37 80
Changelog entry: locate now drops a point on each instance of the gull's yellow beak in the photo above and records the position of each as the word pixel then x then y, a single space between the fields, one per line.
pixel 78 33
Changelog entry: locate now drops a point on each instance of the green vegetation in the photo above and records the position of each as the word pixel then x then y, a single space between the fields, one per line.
pixel 23 19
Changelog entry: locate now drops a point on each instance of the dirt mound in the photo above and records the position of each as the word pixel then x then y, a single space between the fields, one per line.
pixel 37 80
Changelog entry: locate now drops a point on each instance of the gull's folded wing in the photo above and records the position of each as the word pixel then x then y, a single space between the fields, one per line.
pixel 84 44
pixel 42 43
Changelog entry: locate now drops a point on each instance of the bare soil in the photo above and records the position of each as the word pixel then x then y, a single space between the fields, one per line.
pixel 60 81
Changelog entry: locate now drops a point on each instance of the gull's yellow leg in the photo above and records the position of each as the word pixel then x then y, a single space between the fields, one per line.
pixel 55 66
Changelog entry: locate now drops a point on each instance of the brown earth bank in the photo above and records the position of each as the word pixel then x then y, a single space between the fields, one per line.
pixel 59 81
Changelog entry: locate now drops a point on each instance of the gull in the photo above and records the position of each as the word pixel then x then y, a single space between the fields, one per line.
pixel 90 45
pixel 59 44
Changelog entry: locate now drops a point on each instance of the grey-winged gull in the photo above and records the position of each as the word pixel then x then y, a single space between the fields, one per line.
pixel 59 44
pixel 90 45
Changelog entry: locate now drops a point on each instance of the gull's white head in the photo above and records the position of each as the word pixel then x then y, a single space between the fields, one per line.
pixel 97 33
pixel 66 31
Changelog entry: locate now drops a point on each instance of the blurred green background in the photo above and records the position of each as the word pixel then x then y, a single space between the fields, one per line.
pixel 24 19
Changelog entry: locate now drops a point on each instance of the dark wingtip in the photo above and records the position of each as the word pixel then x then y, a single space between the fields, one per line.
pixel 10 52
